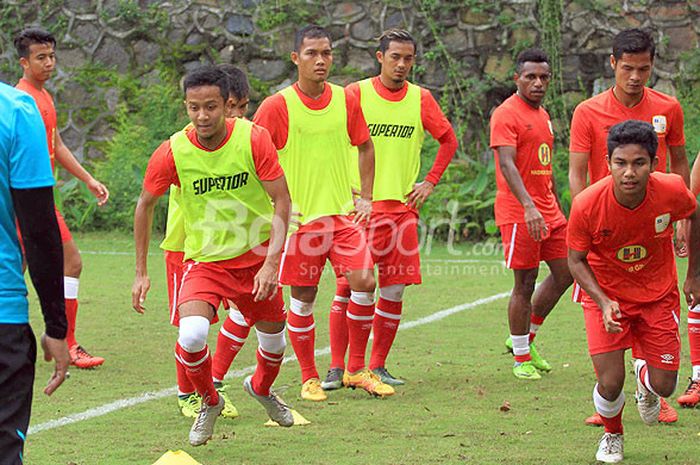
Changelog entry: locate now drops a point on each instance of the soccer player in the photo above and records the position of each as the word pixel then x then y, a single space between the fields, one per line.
pixel 397 113
pixel 235 330
pixel 632 60
pixel 26 196
pixel 228 174
pixel 533 227
pixel 621 253
pixel 312 124
pixel 37 56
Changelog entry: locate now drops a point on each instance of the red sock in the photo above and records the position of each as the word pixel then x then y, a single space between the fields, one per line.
pixel 71 315
pixel 359 319
pixel 535 323
pixel 339 327
pixel 302 334
pixel 266 371
pixel 198 368
pixel 387 316
pixel 694 337
pixel 230 341
pixel 614 424
pixel 184 386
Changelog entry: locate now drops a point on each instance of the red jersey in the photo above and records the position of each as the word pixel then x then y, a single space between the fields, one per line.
pixel 631 251
pixel 594 117
pixel 272 115
pixel 161 174
pixel 432 117
pixel 516 124
pixel 44 102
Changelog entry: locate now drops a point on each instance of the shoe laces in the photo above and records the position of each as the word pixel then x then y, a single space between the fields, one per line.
pixel 278 400
pixel 192 400
pixel 80 352
pixel 612 443
pixel 693 387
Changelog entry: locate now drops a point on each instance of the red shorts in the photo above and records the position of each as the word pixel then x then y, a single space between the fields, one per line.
pixel 66 236
pixel 522 252
pixel 212 283
pixel 307 250
pixel 652 329
pixel 173 274
pixel 393 239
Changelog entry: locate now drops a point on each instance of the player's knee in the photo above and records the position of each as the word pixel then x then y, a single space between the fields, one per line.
pixel 525 284
pixel 563 280
pixel 665 386
pixel 393 293
pixel 193 333
pixel 301 308
pixel 73 264
pixel 363 282
pixel 273 343
pixel 304 293
pixel 610 387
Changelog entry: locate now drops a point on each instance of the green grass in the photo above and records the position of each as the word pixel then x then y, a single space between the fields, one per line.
pixel 448 413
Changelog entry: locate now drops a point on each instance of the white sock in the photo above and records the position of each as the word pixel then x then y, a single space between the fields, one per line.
pixel 696 372
pixel 521 344
pixel 607 408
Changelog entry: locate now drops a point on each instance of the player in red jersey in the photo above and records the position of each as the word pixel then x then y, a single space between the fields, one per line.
pixel 313 123
pixel 533 227
pixel 233 239
pixel 632 61
pixel 37 56
pixel 398 113
pixel 621 252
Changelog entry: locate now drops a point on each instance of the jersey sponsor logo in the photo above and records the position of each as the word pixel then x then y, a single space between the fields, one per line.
pixel 659 123
pixel 661 222
pixel 222 183
pixel 544 153
pixel 401 131
pixel 631 253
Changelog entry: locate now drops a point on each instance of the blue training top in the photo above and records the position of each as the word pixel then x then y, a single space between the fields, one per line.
pixel 24 164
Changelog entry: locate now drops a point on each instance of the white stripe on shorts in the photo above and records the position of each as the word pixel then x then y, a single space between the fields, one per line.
pixel 512 245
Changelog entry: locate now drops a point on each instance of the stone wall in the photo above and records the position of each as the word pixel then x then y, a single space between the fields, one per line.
pixel 480 38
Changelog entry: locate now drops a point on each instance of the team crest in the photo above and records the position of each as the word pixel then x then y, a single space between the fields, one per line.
pixel 631 253
pixel 659 123
pixel 544 153
pixel 661 222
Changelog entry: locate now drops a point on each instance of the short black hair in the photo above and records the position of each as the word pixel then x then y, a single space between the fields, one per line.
pixel 633 41
pixel 312 31
pixel 395 35
pixel 207 75
pixel 533 55
pixel 633 132
pixel 238 82
pixel 32 36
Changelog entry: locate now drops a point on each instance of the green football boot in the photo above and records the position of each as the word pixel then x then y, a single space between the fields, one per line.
pixel 537 360
pixel 189 404
pixel 526 370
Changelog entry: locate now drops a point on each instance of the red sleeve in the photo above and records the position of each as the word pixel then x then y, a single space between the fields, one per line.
pixel 448 147
pixel 578 237
pixel 273 116
pixel 504 132
pixel 357 126
pixel 580 140
pixel 267 165
pixel 683 202
pixel 676 136
pixel 434 120
pixel 161 172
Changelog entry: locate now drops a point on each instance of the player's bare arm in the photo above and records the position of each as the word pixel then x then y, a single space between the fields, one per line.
pixel 143 221
pixel 679 166
pixel 66 158
pixel 363 205
pixel 578 169
pixel 691 287
pixel 265 283
pixel 582 273
pixel 420 193
pixel 534 220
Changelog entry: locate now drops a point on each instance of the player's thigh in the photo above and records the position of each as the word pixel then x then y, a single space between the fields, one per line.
pixel 599 340
pixel 521 251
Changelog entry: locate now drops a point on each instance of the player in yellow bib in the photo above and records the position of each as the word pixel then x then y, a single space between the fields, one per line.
pixel 234 330
pixel 397 113
pixel 229 177
pixel 312 124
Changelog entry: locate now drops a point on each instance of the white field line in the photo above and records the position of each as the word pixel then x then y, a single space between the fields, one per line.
pixel 154 395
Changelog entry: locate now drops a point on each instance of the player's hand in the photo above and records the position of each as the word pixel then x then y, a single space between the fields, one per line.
pixel 420 193
pixel 142 284
pixel 99 190
pixel 611 311
pixel 691 289
pixel 55 349
pixel 536 226
pixel 265 283
pixel 363 210
pixel 681 239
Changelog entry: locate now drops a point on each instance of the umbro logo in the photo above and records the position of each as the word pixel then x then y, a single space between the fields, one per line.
pixel 667 358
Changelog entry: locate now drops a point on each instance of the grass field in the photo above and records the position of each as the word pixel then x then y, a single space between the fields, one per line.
pixel 449 412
